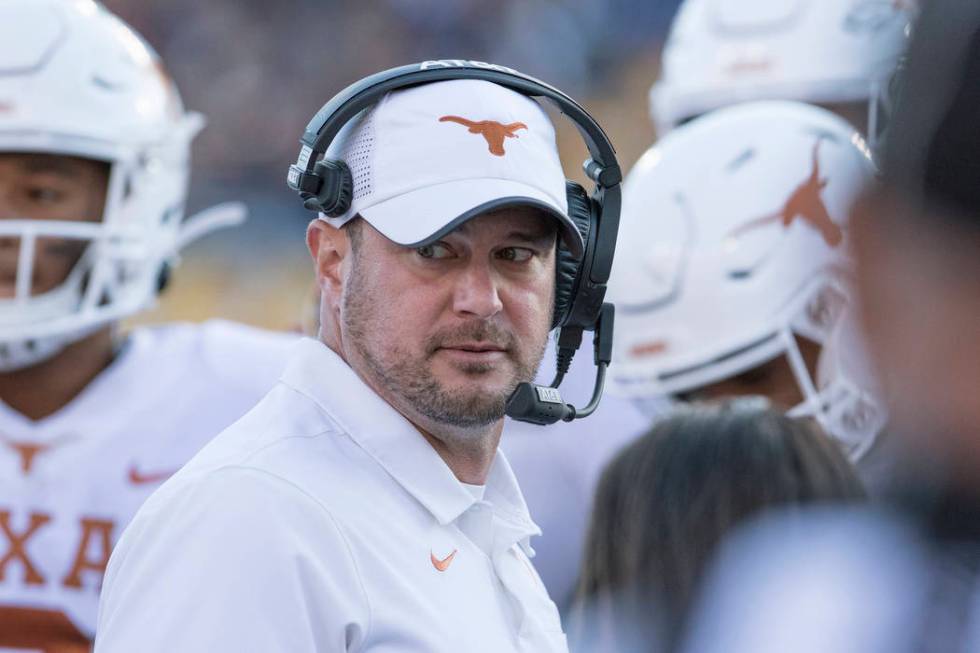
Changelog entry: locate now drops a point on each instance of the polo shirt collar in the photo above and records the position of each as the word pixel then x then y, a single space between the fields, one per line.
pixel 513 521
pixel 318 373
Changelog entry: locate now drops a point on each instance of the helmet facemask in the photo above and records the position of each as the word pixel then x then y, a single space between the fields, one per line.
pixel 114 275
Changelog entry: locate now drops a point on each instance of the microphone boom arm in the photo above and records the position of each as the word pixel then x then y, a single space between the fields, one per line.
pixel 544 405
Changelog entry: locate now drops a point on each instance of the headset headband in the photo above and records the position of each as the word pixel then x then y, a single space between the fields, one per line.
pixel 342 108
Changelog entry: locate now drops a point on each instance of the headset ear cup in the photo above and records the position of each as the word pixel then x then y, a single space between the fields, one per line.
pixel 568 266
pixel 345 190
pixel 336 189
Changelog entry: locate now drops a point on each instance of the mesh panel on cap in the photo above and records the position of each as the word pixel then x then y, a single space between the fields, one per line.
pixel 358 153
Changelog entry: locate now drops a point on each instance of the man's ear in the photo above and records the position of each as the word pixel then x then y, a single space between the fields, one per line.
pixel 328 246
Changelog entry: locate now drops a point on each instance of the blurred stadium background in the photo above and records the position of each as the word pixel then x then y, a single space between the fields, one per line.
pixel 259 71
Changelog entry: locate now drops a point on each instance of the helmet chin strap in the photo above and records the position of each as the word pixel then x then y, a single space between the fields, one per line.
pixel 27 353
pixel 22 354
pixel 850 419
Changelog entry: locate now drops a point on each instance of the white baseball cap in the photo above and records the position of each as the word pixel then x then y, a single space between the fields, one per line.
pixel 427 158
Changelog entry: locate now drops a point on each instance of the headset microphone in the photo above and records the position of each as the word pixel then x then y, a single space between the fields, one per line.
pixel 540 404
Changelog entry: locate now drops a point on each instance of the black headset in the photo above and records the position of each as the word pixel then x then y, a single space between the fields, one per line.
pixel 326 186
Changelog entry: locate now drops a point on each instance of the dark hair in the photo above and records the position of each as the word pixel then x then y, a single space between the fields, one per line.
pixel 355 234
pixel 666 501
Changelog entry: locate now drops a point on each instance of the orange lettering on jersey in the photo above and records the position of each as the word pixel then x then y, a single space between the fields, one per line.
pixel 17 546
pixel 91 529
pixel 27 452
pixel 40 630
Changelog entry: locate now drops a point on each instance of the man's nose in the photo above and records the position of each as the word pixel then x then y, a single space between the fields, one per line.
pixel 476 293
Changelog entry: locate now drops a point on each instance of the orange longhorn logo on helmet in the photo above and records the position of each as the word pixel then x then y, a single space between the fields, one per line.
pixel 804 202
pixel 493 131
pixel 646 349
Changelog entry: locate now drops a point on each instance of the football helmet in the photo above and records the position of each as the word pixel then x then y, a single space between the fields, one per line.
pixel 75 80
pixel 732 245
pixel 720 52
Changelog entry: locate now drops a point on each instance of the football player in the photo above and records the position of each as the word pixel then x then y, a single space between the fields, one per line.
pixel 731 271
pixel 838 54
pixel 94 160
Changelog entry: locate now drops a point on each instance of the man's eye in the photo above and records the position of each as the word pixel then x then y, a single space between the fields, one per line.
pixel 515 254
pixel 434 251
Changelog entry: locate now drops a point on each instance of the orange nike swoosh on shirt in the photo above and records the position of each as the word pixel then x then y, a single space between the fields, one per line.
pixel 442 565
pixel 136 477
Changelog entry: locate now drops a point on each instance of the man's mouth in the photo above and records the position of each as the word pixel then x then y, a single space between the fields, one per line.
pixel 477 347
pixel 474 352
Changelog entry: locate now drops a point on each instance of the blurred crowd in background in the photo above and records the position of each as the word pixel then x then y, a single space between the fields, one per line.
pixel 260 73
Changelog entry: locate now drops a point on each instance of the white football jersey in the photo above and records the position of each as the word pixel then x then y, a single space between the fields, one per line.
pixel 71 482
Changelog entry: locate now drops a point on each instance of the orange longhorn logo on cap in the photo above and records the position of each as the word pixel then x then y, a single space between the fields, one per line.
pixel 805 202
pixel 493 131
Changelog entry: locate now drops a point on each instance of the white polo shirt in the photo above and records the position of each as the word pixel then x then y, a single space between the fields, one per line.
pixel 323 521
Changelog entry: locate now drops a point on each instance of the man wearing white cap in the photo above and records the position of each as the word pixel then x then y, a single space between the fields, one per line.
pixel 362 505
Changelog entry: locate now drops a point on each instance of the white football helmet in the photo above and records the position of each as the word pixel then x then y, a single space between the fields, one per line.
pixel 732 243
pixel 76 80
pixel 721 52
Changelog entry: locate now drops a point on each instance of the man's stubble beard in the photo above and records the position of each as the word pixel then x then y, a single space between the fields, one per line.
pixel 409 378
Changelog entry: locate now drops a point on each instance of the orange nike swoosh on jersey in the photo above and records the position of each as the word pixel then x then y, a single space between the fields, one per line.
pixel 442 565
pixel 136 477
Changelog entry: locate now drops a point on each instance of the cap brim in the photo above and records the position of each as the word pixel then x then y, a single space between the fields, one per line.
pixel 424 215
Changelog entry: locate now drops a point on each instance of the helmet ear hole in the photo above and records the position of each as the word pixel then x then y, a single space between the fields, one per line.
pixel 163 276
pixel 127 190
